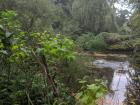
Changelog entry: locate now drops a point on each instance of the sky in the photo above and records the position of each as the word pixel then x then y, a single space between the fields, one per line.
pixel 121 5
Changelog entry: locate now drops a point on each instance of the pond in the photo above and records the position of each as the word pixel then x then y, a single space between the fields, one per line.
pixel 120 80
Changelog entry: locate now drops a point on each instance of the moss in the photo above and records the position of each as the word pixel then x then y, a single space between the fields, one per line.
pixel 119 47
pixel 113 38
pixel 128 45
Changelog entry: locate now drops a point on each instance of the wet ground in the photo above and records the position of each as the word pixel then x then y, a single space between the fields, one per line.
pixel 119 82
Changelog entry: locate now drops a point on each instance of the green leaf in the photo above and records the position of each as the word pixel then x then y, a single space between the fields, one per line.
pixel 15 47
pixel 3 52
pixel 8 34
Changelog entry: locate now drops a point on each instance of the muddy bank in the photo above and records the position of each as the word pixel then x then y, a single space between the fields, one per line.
pixel 111 56
pixel 106 55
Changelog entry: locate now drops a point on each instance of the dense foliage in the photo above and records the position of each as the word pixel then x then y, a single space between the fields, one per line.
pixel 27 64
pixel 89 94
pixel 134 86
pixel 94 15
pixel 46 46
pixel 91 42
pixel 30 65
pixel 65 16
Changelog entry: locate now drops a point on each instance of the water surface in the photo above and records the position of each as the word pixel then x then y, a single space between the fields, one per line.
pixel 119 82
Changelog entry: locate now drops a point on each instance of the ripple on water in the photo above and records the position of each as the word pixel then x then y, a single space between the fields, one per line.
pixel 119 81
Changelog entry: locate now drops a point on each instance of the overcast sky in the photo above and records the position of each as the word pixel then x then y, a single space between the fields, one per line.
pixel 121 5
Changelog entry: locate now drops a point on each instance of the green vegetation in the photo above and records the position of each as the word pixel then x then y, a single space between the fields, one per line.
pixel 47 46
pixel 89 94
pixel 29 64
pixel 133 88
pixel 113 38
pixel 91 42
pixel 28 59
pixel 94 15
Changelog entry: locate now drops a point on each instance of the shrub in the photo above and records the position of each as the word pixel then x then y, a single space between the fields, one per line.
pixel 113 38
pixel 91 42
pixel 77 70
pixel 97 44
pixel 89 94
pixel 133 89
pixel 125 30
pixel 27 65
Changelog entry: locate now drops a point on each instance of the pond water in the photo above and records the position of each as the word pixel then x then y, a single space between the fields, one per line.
pixel 120 80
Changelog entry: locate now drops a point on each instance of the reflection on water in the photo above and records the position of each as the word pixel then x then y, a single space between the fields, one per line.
pixel 119 82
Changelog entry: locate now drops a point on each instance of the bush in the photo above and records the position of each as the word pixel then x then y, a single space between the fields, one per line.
pixel 91 42
pixel 133 89
pixel 128 45
pixel 77 70
pixel 27 66
pixel 125 30
pixel 89 94
pixel 113 38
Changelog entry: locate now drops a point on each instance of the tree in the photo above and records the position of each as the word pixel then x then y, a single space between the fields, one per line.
pixel 35 15
pixel 122 17
pixel 133 90
pixel 134 19
pixel 94 15
pixel 23 48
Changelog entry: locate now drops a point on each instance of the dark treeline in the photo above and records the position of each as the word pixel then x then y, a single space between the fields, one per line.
pixel 67 16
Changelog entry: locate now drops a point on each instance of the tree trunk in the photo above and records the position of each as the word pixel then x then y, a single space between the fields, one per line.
pixel 49 77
